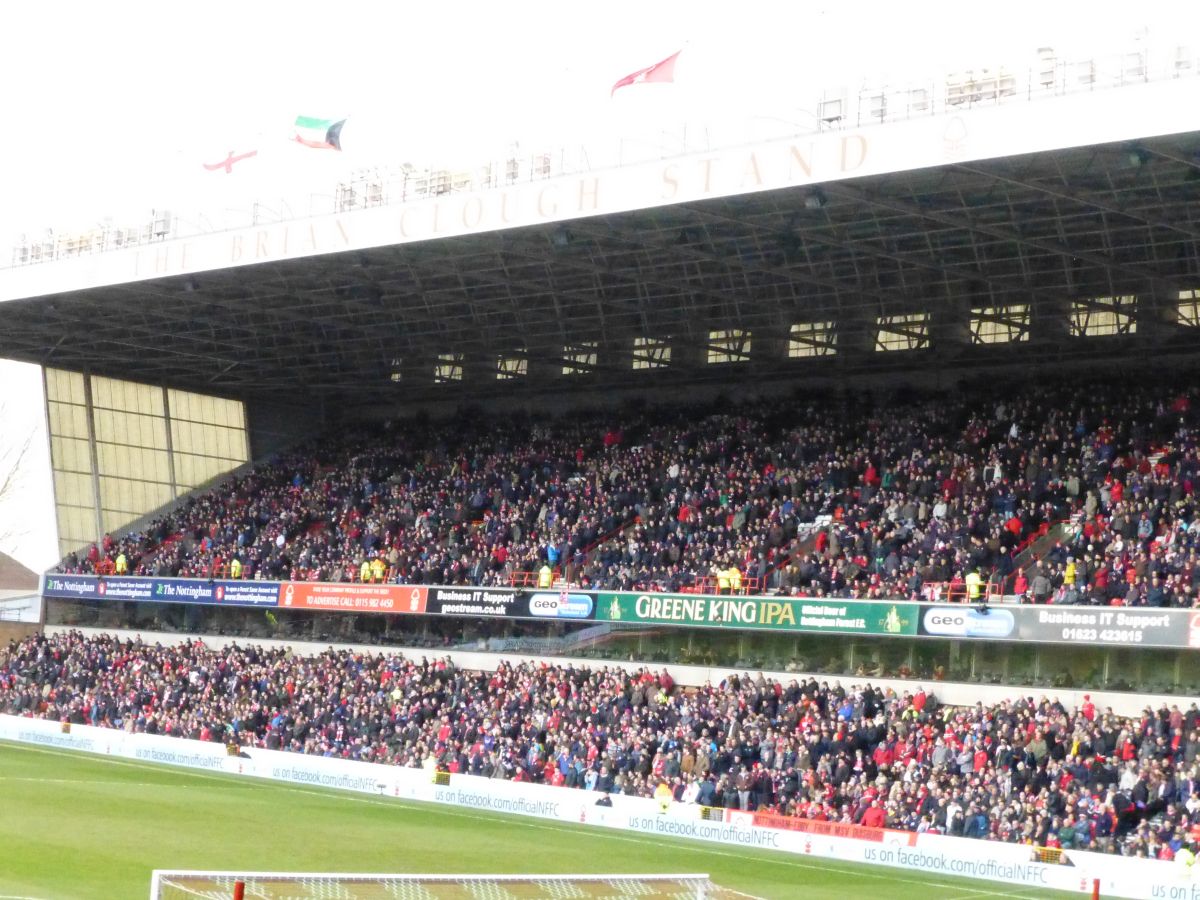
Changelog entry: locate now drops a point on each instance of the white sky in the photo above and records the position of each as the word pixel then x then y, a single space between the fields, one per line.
pixel 27 530
pixel 111 108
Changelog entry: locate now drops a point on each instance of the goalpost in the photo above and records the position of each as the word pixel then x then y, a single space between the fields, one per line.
pixel 190 885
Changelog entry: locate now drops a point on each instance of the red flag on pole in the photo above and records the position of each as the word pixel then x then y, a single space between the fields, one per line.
pixel 226 165
pixel 661 72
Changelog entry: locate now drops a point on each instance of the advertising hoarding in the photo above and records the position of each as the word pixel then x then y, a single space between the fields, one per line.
pixel 512 604
pixel 352 597
pixel 771 613
pixel 1092 625
pixel 162 590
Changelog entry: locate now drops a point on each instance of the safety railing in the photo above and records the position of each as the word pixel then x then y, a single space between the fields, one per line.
pixel 370 574
pixel 704 585
pixel 710 584
pixel 534 579
pixel 227 571
pixel 958 592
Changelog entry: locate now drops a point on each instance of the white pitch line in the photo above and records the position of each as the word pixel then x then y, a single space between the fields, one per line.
pixel 740 893
pixel 160 768
pixel 427 808
pixel 187 890
pixel 86 781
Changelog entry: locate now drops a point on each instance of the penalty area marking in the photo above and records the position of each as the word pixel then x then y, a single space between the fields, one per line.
pixel 514 820
pixel 606 834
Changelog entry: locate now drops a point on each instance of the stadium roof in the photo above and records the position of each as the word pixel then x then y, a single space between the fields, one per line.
pixel 1038 232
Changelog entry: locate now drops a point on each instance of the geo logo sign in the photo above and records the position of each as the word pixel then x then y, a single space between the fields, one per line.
pixel 560 605
pixel 968 622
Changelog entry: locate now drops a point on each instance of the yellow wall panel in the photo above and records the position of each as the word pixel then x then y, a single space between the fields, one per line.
pixel 208 436
pixel 73 489
pixel 64 386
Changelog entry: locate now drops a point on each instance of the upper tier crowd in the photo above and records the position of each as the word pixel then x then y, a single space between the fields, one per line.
pixel 814 496
pixel 1025 770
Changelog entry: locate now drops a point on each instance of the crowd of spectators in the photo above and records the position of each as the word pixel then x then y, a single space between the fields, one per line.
pixel 901 498
pixel 1025 770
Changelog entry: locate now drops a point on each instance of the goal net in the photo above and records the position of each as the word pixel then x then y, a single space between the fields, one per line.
pixel 190 885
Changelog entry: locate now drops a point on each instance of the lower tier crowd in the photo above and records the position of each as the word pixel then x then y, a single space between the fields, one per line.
pixel 1023 770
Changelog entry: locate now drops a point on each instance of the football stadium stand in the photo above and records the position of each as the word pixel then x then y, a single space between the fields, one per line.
pixel 903 398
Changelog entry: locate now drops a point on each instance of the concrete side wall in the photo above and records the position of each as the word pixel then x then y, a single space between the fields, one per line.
pixel 17 631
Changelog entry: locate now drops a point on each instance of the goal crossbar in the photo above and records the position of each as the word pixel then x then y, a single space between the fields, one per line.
pixel 185 884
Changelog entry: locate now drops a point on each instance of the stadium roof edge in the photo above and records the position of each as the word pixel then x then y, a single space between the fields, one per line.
pixel 1049 243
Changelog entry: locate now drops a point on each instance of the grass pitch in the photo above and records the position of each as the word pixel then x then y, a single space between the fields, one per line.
pixel 79 826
